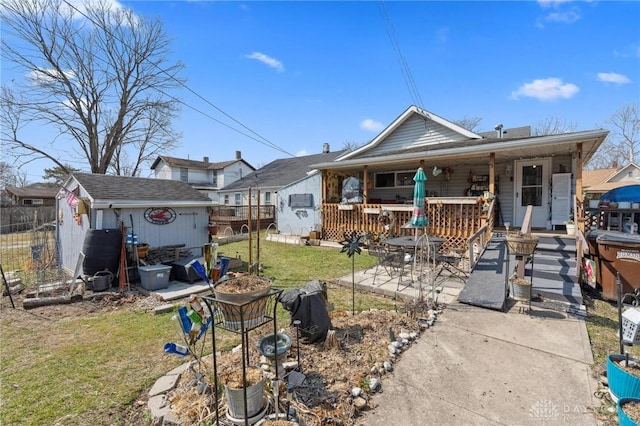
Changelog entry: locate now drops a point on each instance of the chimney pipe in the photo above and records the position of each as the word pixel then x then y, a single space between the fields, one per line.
pixel 325 148
pixel 498 129
pixel 205 159
pixel 238 155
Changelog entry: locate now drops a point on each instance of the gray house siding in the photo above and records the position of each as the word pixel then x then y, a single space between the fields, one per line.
pixel 300 220
pixel 413 133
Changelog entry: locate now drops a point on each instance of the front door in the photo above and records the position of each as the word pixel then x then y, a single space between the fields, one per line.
pixel 532 188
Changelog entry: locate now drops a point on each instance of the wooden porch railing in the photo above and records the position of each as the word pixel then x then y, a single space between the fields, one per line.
pixel 477 242
pixel 235 217
pixel 455 219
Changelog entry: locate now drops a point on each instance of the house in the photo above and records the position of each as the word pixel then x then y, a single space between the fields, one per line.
pixel 93 207
pixel 474 180
pixel 596 182
pixel 296 206
pixel 26 207
pixel 32 195
pixel 205 176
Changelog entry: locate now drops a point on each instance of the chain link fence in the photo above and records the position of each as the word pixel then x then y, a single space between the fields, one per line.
pixel 28 251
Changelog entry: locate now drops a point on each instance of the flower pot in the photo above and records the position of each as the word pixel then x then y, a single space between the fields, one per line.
pixel 521 244
pixel 623 418
pixel 521 289
pixel 622 383
pixel 242 301
pixel 571 229
pixel 235 400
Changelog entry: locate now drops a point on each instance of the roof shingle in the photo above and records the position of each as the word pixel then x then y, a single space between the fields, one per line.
pixel 109 187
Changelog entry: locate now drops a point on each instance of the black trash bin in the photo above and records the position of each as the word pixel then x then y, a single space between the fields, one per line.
pixel 619 253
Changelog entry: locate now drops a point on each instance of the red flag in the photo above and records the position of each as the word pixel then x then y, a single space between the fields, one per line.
pixel 71 198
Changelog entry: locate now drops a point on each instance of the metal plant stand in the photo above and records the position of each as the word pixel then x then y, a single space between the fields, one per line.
pixel 522 250
pixel 216 309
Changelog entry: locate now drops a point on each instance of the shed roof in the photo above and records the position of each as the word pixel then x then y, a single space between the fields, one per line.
pixel 127 191
pixel 282 172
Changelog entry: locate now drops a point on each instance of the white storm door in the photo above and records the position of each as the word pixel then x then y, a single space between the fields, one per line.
pixel 532 188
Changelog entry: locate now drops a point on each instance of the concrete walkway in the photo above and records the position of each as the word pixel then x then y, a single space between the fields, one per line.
pixel 482 367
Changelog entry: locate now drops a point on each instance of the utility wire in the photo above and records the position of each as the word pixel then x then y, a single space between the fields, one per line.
pixel 262 140
pixel 404 65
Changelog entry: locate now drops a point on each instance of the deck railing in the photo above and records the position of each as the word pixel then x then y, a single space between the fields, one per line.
pixel 237 217
pixel 455 219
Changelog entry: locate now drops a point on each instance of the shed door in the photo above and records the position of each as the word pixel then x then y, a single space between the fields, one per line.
pixel 532 187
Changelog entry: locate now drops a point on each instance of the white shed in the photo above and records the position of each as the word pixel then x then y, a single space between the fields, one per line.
pixel 92 207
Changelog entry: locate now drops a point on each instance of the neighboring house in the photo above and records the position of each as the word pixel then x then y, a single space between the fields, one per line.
pixel 276 176
pixel 32 195
pixel 205 176
pixel 26 207
pixel 161 212
pixel 596 182
pixel 465 171
pixel 300 205
pixel 271 177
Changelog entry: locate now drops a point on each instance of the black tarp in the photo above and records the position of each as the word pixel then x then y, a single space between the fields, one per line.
pixel 308 304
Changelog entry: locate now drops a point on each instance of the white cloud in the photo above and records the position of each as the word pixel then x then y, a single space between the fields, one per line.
pixel 302 153
pixel 630 51
pixel 371 125
pixel 79 7
pixel 548 89
pixel 47 76
pixel 267 60
pixel 559 13
pixel 552 3
pixel 612 77
pixel 442 34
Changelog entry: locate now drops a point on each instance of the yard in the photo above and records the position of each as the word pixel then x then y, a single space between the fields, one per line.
pixel 93 362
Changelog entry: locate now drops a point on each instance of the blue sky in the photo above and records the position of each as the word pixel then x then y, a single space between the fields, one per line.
pixel 301 74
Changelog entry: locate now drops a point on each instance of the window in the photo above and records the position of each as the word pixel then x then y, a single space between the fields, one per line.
pixel 238 199
pixel 33 202
pixel 226 199
pixel 385 180
pixel 300 200
pixel 394 179
pixel 184 174
pixel 267 197
pixel 531 186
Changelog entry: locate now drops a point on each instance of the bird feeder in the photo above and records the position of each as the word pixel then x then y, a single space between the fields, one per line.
pixel 631 327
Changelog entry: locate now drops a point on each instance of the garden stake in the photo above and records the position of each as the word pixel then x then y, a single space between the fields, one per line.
pixel 6 285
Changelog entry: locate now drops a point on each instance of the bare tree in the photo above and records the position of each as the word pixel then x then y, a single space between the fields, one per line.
pixel 351 145
pixel 9 176
pixel 469 123
pixel 99 75
pixel 622 146
pixel 624 137
pixel 553 126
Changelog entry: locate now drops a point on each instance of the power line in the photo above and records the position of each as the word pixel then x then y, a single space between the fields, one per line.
pixel 404 65
pixel 263 141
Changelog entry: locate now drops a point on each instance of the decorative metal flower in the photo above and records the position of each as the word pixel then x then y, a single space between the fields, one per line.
pixel 352 245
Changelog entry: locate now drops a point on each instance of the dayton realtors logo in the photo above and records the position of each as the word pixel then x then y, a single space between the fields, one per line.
pixel 160 216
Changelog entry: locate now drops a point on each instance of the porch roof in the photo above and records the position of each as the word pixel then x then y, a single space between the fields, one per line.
pixel 471 150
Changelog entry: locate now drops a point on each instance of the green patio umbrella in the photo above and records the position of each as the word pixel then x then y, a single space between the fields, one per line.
pixel 418 218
